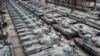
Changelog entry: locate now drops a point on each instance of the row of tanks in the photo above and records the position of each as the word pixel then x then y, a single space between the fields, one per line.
pixel 84 35
pixel 5 47
pixel 36 37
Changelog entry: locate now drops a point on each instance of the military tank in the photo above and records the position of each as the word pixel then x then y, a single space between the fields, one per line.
pixel 60 49
pixel 89 43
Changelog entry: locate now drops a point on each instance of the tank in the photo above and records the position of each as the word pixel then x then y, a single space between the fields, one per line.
pixel 65 26
pixel 60 49
pixel 89 43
